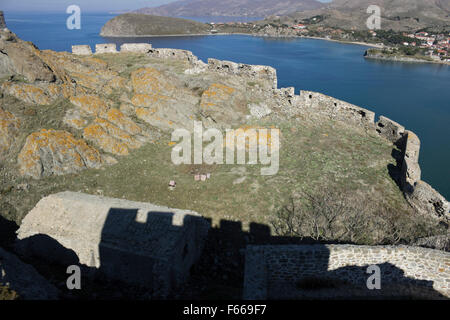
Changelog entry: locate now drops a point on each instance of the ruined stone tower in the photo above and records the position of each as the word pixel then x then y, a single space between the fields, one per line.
pixel 2 20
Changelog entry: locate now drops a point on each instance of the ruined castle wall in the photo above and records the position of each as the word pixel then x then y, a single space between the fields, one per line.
pixel 136 47
pixel 105 48
pixel 82 50
pixel 273 271
pixel 252 71
pixel 335 109
pixel 2 20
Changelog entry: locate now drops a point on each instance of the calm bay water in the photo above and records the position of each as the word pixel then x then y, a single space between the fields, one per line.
pixel 415 95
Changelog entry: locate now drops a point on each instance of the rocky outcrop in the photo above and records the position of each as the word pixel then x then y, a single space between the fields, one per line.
pixel 28 93
pixel 159 103
pixel 9 127
pixel 24 279
pixel 110 138
pixel 22 58
pixel 220 104
pixel 91 105
pixel 137 243
pixel 53 152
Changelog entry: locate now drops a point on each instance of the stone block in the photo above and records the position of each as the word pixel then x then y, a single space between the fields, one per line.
pixel 134 242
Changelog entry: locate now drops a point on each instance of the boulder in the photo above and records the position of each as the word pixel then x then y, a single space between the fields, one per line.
pixel 135 242
pixel 24 279
pixel 55 152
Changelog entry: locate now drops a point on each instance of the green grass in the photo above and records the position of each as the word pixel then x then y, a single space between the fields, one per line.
pixel 311 157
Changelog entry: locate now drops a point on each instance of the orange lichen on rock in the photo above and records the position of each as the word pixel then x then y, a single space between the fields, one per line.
pixel 116 117
pixel 150 81
pixel 116 82
pixel 216 94
pixel 110 138
pixel 9 126
pixel 90 104
pixel 27 92
pixel 55 152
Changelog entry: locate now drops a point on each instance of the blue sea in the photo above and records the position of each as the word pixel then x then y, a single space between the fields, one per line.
pixel 415 95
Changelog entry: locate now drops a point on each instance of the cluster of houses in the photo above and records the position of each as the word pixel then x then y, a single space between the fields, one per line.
pixel 438 45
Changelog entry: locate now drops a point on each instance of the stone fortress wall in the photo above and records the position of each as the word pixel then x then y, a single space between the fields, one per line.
pixel 418 193
pixel 272 272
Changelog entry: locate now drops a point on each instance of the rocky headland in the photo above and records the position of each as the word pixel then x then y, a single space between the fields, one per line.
pixel 135 24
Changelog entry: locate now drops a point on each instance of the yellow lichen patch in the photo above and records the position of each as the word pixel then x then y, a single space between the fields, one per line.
pixel 116 117
pixel 27 93
pixel 90 104
pixel 9 126
pixel 97 134
pixel 53 90
pixel 149 81
pixel 216 94
pixel 54 152
pixel 110 138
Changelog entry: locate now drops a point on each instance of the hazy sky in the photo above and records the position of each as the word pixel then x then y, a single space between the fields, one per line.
pixel 86 5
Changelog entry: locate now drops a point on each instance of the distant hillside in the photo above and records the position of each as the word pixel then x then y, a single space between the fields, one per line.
pixel 251 8
pixel 133 24
pixel 396 14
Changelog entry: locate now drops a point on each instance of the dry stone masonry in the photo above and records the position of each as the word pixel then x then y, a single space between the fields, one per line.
pixel 2 20
pixel 82 50
pixel 136 47
pixel 273 272
pixel 251 71
pixel 105 48
pixel 135 242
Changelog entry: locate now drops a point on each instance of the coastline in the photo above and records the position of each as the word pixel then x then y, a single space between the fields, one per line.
pixel 365 44
pixel 404 59
pixel 243 34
